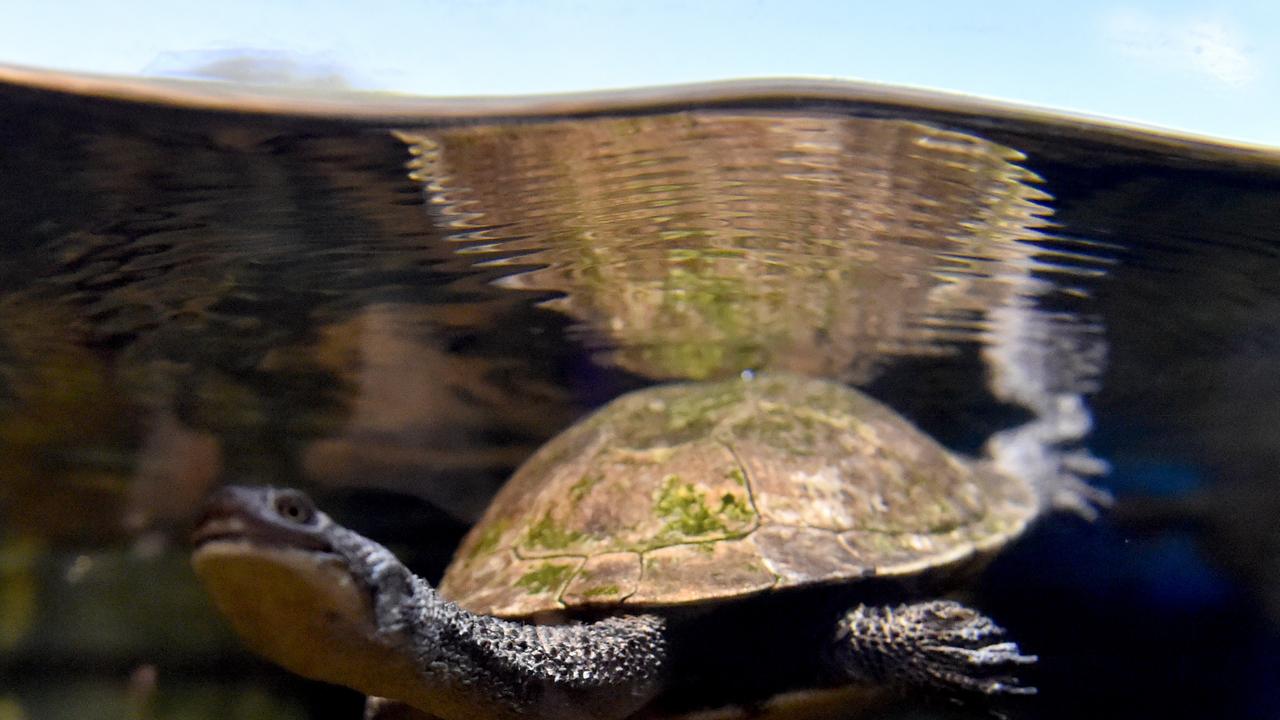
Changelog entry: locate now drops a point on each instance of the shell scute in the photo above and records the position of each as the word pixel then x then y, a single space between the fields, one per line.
pixel 692 492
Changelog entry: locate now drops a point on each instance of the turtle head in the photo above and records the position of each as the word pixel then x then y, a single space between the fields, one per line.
pixel 297 588
pixel 264 517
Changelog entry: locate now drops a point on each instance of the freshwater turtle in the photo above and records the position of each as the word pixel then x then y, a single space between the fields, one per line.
pixel 722 539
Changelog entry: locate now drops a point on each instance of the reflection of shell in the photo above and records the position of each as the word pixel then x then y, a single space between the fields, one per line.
pixel 700 244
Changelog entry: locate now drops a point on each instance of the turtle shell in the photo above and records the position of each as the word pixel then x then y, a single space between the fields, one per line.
pixel 696 492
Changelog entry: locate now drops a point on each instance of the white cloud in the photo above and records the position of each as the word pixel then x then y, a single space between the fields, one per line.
pixel 1201 46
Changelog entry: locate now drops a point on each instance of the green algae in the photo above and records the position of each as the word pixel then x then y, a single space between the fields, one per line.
pixel 488 541
pixel 602 590
pixel 547 577
pixel 735 508
pixel 550 535
pixel 583 486
pixel 686 512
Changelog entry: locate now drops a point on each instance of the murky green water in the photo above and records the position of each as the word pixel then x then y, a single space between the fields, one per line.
pixel 394 315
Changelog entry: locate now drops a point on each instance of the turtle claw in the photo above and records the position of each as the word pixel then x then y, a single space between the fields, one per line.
pixel 997 654
pixel 999 686
pixel 976 662
pixel 941 644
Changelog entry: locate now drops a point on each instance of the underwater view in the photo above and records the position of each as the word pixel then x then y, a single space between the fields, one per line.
pixel 785 400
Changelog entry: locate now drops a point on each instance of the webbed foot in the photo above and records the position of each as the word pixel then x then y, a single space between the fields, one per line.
pixel 940 643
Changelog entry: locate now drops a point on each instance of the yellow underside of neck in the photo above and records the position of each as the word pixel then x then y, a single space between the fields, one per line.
pixel 304 611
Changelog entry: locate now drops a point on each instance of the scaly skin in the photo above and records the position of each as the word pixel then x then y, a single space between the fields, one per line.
pixel 466 665
pixel 602 669
pixel 333 605
pixel 939 643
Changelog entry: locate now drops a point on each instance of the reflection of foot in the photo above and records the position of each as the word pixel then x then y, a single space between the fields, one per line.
pixel 940 643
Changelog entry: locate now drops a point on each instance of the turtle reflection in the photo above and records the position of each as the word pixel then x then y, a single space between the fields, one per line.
pixel 700 244
pixel 695 245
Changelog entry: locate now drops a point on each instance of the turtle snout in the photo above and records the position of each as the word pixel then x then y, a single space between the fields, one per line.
pixel 263 515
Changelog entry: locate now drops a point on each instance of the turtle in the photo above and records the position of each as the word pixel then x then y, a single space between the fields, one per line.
pixel 734 536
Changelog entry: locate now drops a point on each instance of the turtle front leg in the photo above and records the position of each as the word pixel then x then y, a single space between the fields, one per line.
pixel 940 644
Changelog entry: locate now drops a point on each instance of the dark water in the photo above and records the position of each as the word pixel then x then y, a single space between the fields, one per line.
pixel 394 320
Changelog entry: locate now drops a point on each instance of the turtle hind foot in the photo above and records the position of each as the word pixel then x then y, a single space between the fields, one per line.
pixel 940 644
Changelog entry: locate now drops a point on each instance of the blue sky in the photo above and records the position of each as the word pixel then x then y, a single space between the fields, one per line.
pixel 1207 67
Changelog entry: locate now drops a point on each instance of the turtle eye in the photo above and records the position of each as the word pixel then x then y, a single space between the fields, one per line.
pixel 295 507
